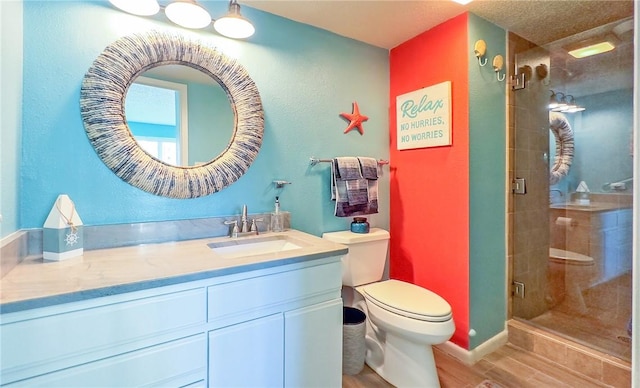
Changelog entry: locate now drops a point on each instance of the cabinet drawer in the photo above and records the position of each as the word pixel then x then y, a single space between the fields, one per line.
pixel 34 346
pixel 261 292
pixel 177 363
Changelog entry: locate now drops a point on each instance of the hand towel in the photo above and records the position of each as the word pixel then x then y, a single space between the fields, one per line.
pixel 348 168
pixel 353 196
pixel 357 191
pixel 369 167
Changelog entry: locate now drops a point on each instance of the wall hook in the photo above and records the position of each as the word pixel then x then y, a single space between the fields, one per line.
pixel 498 64
pixel 542 71
pixel 479 50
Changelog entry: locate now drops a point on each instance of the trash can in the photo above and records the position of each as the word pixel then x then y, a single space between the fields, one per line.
pixel 353 343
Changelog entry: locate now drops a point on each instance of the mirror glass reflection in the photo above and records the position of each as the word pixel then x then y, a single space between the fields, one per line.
pixel 179 115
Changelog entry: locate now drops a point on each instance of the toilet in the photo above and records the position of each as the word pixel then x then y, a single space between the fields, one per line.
pixel 403 319
pixel 576 272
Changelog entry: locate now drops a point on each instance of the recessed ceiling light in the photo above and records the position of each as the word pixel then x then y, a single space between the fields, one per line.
pixel 592 49
pixel 463 2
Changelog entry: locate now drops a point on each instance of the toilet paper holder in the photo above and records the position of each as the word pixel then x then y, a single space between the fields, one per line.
pixel 566 221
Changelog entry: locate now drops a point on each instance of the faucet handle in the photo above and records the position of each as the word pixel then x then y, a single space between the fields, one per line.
pixel 254 227
pixel 234 231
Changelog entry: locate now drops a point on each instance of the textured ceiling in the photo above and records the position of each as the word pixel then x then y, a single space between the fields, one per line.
pixel 388 23
pixel 552 24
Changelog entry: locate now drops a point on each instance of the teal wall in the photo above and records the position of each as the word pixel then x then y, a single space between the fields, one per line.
pixel 210 122
pixel 306 77
pixel 10 114
pixel 487 175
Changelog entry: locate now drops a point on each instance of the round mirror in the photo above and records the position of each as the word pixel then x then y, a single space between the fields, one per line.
pixel 102 106
pixel 563 134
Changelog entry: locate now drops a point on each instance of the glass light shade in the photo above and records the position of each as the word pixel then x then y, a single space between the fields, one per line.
pixel 553 101
pixel 233 26
pixel 560 108
pixel 137 7
pixel 187 14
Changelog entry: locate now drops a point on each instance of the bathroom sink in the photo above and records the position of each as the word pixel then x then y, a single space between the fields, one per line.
pixel 256 246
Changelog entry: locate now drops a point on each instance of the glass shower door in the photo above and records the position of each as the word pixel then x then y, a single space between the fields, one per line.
pixel 571 231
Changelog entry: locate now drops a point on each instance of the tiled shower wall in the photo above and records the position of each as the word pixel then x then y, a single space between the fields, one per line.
pixel 528 158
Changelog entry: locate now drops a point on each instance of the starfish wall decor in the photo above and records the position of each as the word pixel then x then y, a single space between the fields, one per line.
pixel 355 119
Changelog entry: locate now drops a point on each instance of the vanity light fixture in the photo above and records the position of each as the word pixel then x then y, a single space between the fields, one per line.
pixel 554 100
pixel 233 25
pixel 565 103
pixel 189 14
pixel 562 104
pixel 572 106
pixel 140 7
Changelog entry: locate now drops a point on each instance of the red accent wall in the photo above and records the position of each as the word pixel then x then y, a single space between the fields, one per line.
pixel 430 186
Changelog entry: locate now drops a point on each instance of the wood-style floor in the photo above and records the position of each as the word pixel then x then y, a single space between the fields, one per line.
pixel 507 367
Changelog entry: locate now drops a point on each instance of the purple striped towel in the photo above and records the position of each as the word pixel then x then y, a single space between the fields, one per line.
pixel 369 167
pixel 355 196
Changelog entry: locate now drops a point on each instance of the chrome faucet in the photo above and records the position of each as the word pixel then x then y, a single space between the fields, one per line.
pixel 243 228
pixel 551 194
pixel 244 220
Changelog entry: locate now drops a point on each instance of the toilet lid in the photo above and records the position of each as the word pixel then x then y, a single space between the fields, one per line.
pixel 408 300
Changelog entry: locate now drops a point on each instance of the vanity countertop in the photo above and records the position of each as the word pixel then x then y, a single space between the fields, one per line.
pixel 37 283
pixel 592 207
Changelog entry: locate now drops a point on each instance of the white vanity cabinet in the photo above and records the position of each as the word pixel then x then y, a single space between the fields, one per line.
pixel 279 326
pixel 151 337
pixel 291 334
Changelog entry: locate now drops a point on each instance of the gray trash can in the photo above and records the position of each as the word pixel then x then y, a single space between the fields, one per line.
pixel 353 343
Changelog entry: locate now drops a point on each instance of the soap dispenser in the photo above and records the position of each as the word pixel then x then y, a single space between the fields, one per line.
pixel 277 219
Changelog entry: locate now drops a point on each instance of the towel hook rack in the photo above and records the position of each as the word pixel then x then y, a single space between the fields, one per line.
pixel 313 161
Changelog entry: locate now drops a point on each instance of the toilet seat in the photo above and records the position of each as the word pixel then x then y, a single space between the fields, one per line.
pixel 568 257
pixel 408 300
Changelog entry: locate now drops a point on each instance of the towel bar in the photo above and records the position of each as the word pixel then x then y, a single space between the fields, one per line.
pixel 313 161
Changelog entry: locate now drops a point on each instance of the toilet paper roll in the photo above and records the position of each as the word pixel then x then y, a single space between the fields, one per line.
pixel 566 222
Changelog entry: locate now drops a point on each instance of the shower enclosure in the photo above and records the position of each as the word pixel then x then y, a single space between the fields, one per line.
pixel 570 215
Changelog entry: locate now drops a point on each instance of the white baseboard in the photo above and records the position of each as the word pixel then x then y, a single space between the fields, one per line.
pixel 470 357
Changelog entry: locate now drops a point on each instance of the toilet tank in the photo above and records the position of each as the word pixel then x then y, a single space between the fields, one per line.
pixel 367 255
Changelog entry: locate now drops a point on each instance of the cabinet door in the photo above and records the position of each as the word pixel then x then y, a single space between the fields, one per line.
pixel 313 346
pixel 173 364
pixel 248 354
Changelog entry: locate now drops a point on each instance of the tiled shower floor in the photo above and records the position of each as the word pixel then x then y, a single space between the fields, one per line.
pixel 604 326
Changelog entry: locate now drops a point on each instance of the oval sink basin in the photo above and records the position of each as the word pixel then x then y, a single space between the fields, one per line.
pixel 256 246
